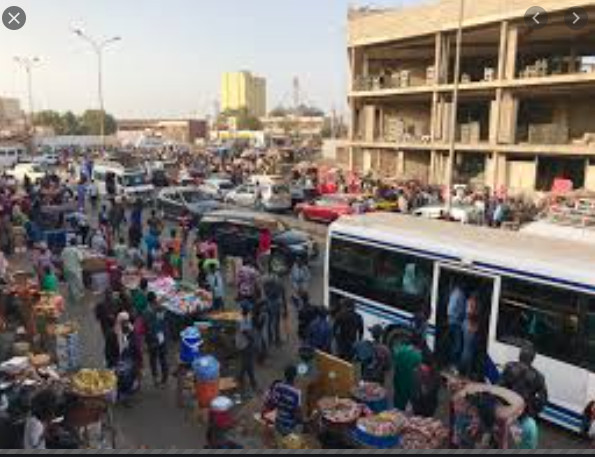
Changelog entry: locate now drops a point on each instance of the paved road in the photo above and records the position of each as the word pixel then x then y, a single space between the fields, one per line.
pixel 154 421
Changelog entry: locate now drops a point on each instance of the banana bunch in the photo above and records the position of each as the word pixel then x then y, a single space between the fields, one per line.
pixel 94 382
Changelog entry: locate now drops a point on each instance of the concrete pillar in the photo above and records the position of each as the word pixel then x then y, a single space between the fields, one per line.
pixel 438 57
pixel 512 44
pixel 443 71
pixel 433 166
pixel 501 171
pixel 502 54
pixel 507 119
pixel 400 163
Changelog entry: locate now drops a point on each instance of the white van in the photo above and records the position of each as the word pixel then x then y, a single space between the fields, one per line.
pixel 10 156
pixel 276 195
pixel 130 183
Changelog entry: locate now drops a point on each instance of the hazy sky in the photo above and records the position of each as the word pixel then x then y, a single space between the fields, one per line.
pixel 173 52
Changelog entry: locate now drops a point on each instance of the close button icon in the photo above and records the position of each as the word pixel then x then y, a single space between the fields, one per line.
pixel 14 18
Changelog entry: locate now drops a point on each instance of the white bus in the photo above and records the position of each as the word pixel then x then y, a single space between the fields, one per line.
pixel 11 155
pixel 529 288
pixel 130 183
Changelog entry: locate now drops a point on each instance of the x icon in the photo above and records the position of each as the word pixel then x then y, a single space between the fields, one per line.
pixel 14 18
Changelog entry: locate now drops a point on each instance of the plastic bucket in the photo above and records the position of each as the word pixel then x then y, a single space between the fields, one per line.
pixel 190 342
pixel 206 368
pixel 206 392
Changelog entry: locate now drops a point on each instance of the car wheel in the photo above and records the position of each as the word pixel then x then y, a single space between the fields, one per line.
pixel 279 264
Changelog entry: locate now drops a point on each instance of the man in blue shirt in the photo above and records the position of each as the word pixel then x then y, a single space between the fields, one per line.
pixel 457 311
pixel 287 400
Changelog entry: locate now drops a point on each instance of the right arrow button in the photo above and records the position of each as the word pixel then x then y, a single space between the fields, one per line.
pixel 576 18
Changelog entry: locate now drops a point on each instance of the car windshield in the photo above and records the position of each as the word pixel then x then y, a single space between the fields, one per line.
pixel 280 189
pixel 137 179
pixel 224 185
pixel 193 197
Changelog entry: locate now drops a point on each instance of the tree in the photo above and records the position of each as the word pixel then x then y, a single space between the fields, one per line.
pixel 90 123
pixel 50 119
pixel 70 124
pixel 244 120
pixel 279 111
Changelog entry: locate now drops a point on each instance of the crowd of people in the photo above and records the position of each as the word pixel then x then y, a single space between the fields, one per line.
pixel 275 310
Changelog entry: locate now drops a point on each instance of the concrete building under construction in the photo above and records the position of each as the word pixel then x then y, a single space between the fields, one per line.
pixel 526 111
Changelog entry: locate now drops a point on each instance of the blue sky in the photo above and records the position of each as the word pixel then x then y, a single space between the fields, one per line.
pixel 173 52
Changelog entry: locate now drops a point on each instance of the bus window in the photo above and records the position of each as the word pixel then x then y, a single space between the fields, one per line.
pixel 542 314
pixel 385 276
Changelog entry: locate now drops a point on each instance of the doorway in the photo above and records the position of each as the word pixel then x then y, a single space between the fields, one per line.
pixel 463 309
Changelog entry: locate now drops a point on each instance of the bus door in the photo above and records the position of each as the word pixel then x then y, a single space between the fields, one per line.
pixel 463 302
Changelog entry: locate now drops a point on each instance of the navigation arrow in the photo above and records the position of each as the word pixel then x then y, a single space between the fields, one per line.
pixel 578 18
pixel 535 18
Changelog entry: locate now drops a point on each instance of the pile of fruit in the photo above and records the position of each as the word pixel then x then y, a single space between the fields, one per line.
pixel 339 410
pixel 389 423
pixel 94 382
pixel 420 433
pixel 369 391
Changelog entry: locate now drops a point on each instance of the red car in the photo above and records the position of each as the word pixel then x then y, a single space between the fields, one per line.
pixel 327 208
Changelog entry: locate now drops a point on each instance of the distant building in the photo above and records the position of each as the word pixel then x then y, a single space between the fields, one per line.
pixel 525 107
pixel 185 131
pixel 12 120
pixel 243 90
pixel 303 127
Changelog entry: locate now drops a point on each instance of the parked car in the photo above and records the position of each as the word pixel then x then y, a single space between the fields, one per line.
pixel 275 197
pixel 329 208
pixel 237 235
pixel 172 202
pixel 466 214
pixel 34 171
pixel 217 187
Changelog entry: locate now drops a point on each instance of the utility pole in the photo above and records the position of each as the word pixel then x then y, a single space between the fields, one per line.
pixel 28 63
pixel 296 94
pixel 455 111
pixel 98 47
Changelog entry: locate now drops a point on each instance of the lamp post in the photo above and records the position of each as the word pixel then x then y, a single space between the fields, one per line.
pixel 455 111
pixel 28 63
pixel 98 46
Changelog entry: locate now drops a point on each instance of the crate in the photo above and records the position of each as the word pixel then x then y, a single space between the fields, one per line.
pixel 489 74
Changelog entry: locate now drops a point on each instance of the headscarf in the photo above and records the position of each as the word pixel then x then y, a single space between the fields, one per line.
pixel 121 319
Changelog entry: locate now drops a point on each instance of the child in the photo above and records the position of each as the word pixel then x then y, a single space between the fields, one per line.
pixel 216 285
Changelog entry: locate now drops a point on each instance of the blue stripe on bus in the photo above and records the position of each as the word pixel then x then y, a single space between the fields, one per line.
pixel 571 422
pixel 525 274
pixel 400 247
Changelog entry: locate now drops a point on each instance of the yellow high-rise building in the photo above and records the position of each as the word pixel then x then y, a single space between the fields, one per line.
pixel 243 90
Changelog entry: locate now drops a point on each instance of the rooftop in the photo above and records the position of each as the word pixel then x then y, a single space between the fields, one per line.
pixel 505 249
pixel 381 25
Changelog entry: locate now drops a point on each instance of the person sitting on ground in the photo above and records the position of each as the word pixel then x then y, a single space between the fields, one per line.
pixel 286 399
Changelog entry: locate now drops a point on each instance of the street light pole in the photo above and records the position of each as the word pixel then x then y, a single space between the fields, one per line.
pixel 27 63
pixel 98 47
pixel 454 112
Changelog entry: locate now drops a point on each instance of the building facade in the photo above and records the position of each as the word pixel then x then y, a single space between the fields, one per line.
pixel 525 116
pixel 184 131
pixel 243 90
pixel 12 118
pixel 292 126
